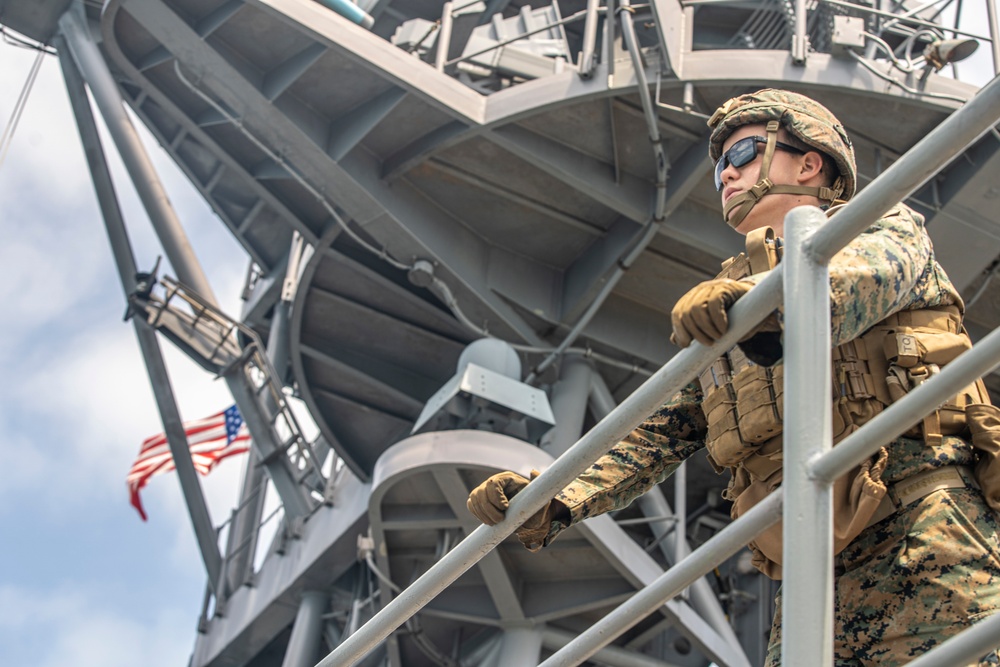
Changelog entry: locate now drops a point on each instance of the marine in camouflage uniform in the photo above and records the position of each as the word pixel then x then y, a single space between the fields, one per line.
pixel 910 579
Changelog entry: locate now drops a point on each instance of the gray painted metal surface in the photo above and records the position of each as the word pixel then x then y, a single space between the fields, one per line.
pixel 571 209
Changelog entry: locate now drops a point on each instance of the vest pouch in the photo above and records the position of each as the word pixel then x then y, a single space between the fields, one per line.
pixel 908 346
pixel 915 354
pixel 855 393
pixel 759 396
pixel 766 548
pixel 984 424
pixel 726 446
pixel 856 497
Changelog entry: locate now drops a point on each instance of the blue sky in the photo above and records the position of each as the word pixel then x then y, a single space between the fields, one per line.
pixel 83 581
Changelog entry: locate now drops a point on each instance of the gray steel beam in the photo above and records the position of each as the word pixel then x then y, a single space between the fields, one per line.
pixel 630 196
pixel 149 346
pixel 569 405
pixel 278 79
pixel 612 656
pixel 711 554
pixel 190 132
pixel 662 125
pixel 307 631
pixel 395 65
pixel 466 260
pixel 369 373
pixel 673 542
pixel 520 645
pixel 578 224
pixel 218 17
pixel 269 170
pixel 157 56
pixel 365 204
pixel 548 601
pixel 169 230
pixel 492 7
pixel 418 517
pixel 670 27
pixel 347 131
pixel 422 149
pixel 498 583
pixel 168 227
pixel 585 277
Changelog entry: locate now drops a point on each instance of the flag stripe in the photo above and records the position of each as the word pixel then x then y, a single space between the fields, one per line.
pixel 210 440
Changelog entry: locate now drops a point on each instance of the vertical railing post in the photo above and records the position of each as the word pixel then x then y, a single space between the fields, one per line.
pixel 807 568
pixel 991 15
pixel 800 42
pixel 586 62
pixel 444 37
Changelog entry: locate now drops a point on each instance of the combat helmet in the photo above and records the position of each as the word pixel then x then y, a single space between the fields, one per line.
pixel 802 117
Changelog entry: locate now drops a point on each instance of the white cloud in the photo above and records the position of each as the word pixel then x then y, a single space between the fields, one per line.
pixel 76 627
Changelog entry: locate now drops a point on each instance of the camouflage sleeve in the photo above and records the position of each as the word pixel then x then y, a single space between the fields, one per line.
pixel 888 268
pixel 646 457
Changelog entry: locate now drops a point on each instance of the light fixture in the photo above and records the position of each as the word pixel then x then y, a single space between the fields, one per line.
pixel 943 52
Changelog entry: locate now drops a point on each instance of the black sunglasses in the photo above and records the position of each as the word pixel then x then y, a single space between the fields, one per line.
pixel 743 153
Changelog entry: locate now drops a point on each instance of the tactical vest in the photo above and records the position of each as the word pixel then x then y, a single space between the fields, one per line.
pixel 743 405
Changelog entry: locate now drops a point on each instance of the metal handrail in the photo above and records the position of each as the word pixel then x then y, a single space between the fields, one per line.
pixel 936 149
pixel 572 18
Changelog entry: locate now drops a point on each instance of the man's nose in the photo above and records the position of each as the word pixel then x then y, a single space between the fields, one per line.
pixel 729 173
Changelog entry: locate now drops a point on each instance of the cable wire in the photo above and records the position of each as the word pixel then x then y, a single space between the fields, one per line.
pixel 21 43
pixel 885 77
pixel 22 100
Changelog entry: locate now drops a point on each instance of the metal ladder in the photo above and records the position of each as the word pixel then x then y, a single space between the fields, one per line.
pixel 211 338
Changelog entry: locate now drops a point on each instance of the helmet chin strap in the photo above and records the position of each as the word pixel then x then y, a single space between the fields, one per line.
pixel 747 200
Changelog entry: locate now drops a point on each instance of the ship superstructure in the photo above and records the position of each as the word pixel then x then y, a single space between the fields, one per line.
pixel 466 224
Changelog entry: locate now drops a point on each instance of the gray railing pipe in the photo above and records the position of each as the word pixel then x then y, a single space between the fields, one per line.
pixel 586 62
pixel 991 16
pixel 963 649
pixel 702 560
pixel 444 37
pixel 670 379
pixel 800 43
pixel 672 539
pixel 807 613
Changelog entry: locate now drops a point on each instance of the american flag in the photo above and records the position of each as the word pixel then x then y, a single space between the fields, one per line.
pixel 211 439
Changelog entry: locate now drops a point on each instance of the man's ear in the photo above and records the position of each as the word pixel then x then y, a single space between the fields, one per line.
pixel 811 166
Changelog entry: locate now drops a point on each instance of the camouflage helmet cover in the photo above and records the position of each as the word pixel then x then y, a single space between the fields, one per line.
pixel 801 116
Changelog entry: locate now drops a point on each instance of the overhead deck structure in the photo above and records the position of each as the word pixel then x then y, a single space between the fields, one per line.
pixel 409 177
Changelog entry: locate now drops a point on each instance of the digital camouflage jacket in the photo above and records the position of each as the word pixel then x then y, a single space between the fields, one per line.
pixel 888 268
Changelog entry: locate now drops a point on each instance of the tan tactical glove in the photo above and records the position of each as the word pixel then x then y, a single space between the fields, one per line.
pixel 489 501
pixel 701 313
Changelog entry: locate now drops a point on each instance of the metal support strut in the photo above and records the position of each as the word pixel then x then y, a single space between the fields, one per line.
pixel 149 346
